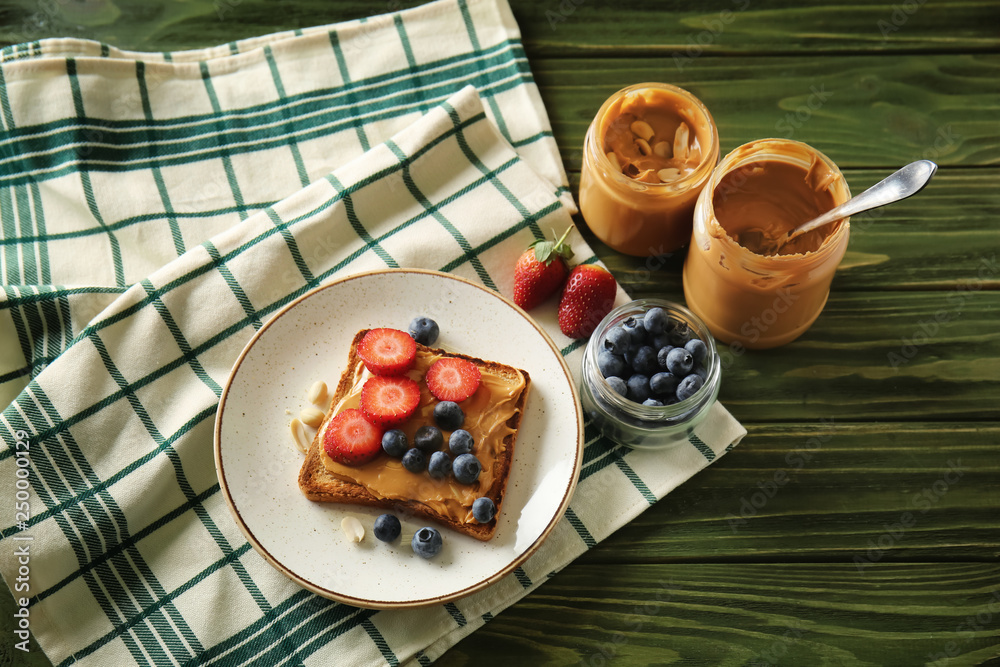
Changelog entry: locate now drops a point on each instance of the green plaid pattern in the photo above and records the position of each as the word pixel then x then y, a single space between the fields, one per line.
pixel 143 244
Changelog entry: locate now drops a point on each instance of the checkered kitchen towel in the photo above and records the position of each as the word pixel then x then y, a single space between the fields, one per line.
pixel 156 210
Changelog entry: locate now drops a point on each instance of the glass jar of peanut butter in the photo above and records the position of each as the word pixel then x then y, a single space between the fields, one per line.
pixel 647 155
pixel 733 280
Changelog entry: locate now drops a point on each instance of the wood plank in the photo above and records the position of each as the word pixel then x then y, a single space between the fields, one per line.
pixel 828 491
pixel 877 356
pixel 729 614
pixel 674 29
pixel 939 239
pixel 867 111
pixel 685 31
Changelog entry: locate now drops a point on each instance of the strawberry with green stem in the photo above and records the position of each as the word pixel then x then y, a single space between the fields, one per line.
pixel 541 271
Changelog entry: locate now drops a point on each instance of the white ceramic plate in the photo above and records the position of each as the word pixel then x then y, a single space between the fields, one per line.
pixel 308 341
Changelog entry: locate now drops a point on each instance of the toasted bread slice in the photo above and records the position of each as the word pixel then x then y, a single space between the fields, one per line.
pixel 319 484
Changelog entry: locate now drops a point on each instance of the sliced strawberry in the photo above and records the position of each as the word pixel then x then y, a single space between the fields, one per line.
pixel 453 379
pixel 387 351
pixel 351 439
pixel 388 401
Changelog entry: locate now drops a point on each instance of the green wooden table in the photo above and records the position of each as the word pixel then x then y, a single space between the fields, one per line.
pixel 859 521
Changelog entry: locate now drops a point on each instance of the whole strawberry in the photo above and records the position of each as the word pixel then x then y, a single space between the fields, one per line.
pixel 589 295
pixel 540 271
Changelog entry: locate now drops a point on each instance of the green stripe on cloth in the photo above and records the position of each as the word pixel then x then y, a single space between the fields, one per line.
pixel 379 640
pixel 5 111
pixel 40 231
pixel 220 127
pixel 161 186
pixel 293 146
pixel 456 614
pixel 580 528
pixel 352 98
pixel 411 62
pixel 701 447
pixel 639 485
pixel 88 189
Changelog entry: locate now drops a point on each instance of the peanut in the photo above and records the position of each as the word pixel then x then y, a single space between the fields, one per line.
pixel 669 174
pixel 353 530
pixel 312 416
pixel 681 138
pixel 299 436
pixel 317 393
pixel 642 129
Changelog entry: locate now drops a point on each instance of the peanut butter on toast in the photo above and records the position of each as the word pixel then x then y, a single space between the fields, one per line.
pixel 492 415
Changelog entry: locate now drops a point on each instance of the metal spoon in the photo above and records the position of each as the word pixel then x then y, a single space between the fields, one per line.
pixel 904 183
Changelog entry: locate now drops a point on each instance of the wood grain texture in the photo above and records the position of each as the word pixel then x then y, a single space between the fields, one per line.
pixel 828 490
pixel 670 28
pixel 860 110
pixel 788 614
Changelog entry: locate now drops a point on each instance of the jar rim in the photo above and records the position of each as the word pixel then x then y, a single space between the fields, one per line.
pixel 593 144
pixel 665 414
pixel 768 149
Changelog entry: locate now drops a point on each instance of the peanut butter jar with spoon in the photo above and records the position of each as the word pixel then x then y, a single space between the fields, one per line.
pixel 746 292
pixel 647 155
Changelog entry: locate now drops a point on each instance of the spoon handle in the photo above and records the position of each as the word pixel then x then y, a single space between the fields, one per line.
pixel 904 183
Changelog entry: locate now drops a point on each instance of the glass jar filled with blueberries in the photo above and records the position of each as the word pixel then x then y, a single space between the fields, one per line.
pixel 650 374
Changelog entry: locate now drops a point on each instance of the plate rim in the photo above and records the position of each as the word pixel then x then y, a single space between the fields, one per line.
pixel 422 602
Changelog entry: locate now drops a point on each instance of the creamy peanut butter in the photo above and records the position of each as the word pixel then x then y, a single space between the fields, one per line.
pixel 766 187
pixel 486 414
pixel 647 155
pixel 761 201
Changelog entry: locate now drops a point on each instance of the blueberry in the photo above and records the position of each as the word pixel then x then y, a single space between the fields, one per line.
pixel 655 321
pixel 638 388
pixel 414 460
pixel 448 415
pixel 424 330
pixel 653 403
pixel 439 466
pixel 483 510
pixel 394 443
pixel 631 352
pixel 697 349
pixel 661 356
pixel 679 362
pixel 681 334
pixel 633 327
pixel 618 385
pixel 428 438
pixel 387 527
pixel 661 341
pixel 466 468
pixel 611 364
pixel 427 542
pixel 617 340
pixel 663 384
pixel 701 372
pixel 689 386
pixel 460 442
pixel 645 362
